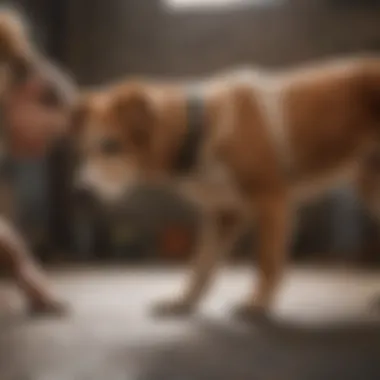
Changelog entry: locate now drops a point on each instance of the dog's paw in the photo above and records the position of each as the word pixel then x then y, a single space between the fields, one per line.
pixel 173 308
pixel 48 307
pixel 251 313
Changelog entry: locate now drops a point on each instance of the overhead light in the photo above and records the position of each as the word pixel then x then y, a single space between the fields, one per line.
pixel 191 4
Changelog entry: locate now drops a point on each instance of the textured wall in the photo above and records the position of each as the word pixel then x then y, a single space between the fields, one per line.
pixel 112 38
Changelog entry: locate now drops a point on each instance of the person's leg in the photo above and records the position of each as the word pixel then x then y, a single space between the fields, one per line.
pixel 26 271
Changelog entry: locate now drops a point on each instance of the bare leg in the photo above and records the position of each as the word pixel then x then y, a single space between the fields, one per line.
pixel 273 233
pixel 27 274
pixel 215 240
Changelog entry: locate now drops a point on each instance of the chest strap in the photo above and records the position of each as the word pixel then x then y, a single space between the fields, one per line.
pixel 187 157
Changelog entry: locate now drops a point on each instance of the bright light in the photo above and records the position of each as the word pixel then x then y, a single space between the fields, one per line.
pixel 188 4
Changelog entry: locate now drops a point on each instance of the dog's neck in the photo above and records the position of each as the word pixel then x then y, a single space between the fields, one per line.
pixel 171 131
pixel 184 123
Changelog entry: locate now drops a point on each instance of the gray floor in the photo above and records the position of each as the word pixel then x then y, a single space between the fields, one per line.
pixel 321 330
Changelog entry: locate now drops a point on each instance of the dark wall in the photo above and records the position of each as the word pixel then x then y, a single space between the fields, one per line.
pixel 112 38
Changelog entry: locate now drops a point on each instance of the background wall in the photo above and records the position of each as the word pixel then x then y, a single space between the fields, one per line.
pixel 114 38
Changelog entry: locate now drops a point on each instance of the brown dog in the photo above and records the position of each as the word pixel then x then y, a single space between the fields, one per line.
pixel 35 103
pixel 252 143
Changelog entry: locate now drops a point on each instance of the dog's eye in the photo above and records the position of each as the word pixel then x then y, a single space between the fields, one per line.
pixel 111 147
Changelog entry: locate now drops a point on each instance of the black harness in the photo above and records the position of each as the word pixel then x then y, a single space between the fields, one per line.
pixel 187 157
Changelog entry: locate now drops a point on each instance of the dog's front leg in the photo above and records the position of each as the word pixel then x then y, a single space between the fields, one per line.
pixel 214 242
pixel 274 224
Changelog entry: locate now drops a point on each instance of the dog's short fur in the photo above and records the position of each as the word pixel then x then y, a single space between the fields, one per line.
pixel 35 99
pixel 270 140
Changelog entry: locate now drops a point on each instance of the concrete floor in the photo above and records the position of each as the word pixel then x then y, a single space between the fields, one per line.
pixel 321 330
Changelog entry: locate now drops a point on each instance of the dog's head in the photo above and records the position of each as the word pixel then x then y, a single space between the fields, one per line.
pixel 116 143
pixel 35 96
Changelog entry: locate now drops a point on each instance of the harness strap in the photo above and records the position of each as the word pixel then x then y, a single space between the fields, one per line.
pixel 188 153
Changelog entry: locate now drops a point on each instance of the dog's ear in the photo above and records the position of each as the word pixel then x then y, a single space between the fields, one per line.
pixel 84 105
pixel 79 114
pixel 134 112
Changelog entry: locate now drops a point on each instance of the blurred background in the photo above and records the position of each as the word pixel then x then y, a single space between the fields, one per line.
pixel 111 333
pixel 99 41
